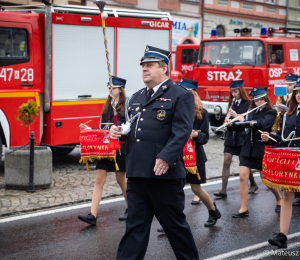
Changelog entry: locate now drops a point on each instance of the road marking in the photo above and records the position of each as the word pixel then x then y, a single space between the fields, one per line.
pixel 53 211
pixel 271 252
pixel 250 248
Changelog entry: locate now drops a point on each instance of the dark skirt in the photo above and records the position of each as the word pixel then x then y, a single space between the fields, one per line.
pixel 110 166
pixel 234 150
pixel 251 162
pixel 193 179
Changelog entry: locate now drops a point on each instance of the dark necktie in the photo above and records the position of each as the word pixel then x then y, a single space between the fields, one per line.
pixel 149 94
pixel 298 115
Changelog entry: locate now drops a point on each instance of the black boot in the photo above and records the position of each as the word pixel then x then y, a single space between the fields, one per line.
pixel 279 240
pixel 90 219
pixel 214 215
pixel 124 216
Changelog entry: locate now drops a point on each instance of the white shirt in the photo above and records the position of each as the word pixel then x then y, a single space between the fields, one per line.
pixel 156 87
pixel 238 102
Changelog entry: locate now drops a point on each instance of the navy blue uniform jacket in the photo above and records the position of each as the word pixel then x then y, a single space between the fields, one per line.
pixel 161 131
pixel 265 120
pixel 235 138
pixel 202 138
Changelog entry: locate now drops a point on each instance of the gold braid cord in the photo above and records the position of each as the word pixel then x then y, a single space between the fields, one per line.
pixel 108 66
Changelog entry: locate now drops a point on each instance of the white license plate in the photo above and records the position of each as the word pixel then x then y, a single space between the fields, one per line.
pixel 209 106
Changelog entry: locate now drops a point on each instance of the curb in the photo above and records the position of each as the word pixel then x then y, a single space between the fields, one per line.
pixel 54 205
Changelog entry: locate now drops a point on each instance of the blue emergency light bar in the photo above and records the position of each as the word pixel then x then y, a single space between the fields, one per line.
pixel 263 31
pixel 214 33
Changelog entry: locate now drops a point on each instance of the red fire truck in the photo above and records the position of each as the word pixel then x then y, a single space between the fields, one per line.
pixel 260 61
pixel 54 54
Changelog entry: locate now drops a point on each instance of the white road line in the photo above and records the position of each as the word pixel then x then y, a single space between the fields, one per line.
pixel 272 252
pixel 53 211
pixel 250 248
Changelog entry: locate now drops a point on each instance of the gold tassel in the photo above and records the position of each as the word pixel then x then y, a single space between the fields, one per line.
pixel 87 166
pixel 193 170
pixel 85 160
pixel 282 187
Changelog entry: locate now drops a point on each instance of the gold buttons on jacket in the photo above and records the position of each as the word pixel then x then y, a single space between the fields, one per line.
pixel 144 109
pixel 139 129
pixel 141 119
pixel 138 140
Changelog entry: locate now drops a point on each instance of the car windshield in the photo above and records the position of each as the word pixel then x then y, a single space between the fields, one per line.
pixel 232 53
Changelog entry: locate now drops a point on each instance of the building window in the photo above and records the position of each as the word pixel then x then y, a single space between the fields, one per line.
pixel 220 31
pixel 271 10
pixel 298 15
pixel 247 6
pixel 298 3
pixel 187 41
pixel 222 2
pixel 271 2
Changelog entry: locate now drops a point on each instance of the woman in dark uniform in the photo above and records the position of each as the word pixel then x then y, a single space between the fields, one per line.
pixel 253 148
pixel 292 124
pixel 201 122
pixel 105 165
pixel 234 139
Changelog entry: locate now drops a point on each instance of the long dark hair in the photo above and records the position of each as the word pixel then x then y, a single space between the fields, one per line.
pixel 198 106
pixel 293 103
pixel 243 96
pixel 266 99
pixel 120 106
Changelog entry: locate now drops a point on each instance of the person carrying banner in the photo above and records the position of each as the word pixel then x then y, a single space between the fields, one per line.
pixel 105 165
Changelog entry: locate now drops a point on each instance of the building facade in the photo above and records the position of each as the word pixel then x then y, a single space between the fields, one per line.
pixel 227 15
pixel 293 11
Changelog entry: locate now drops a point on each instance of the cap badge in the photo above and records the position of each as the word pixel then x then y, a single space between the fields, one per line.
pixel 255 89
pixel 147 49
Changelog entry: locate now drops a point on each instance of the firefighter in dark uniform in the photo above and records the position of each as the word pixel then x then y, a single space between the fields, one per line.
pixel 154 165
pixel 253 148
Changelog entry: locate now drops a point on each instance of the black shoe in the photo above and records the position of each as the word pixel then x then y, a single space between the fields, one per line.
pixel 161 230
pixel 279 240
pixel 214 215
pixel 124 216
pixel 296 201
pixel 252 191
pixel 219 194
pixel 194 202
pixel 241 215
pixel 90 219
pixel 277 208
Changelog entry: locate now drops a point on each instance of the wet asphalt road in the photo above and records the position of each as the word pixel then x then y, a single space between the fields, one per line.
pixel 62 236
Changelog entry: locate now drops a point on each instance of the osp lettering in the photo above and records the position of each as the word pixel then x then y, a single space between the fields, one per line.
pixel 275 72
pixel 222 75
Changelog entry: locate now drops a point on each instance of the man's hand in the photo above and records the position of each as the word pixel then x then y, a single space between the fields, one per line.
pixel 115 132
pixel 161 167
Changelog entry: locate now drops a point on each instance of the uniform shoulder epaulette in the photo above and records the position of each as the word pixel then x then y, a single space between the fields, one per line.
pixel 182 87
pixel 138 92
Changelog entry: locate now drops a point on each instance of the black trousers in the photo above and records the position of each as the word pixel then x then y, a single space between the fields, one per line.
pixel 163 199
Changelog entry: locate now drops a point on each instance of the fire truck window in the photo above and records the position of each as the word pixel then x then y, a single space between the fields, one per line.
pixel 275 54
pixel 13 46
pixel 239 52
pixel 187 56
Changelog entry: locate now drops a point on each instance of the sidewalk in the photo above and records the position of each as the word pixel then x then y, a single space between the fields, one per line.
pixel 72 183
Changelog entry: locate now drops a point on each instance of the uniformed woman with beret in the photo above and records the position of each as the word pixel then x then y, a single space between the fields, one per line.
pixel 200 137
pixel 105 165
pixel 238 104
pixel 290 129
pixel 253 148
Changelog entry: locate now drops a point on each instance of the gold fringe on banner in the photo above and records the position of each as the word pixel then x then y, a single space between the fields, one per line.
pixel 87 159
pixel 282 187
pixel 194 170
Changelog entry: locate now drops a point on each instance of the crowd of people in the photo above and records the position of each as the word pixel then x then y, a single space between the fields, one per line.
pixel 164 117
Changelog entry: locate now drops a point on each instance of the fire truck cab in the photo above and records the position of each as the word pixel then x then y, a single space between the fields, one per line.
pixel 54 54
pixel 259 61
